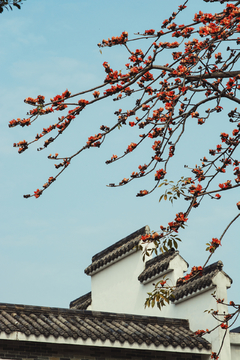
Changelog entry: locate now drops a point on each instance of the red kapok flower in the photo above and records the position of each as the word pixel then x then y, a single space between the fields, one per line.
pixel 224 326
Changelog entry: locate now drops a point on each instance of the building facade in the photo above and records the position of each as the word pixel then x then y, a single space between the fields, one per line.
pixel 110 322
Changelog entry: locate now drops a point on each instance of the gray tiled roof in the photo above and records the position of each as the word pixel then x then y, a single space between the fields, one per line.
pixel 82 302
pixel 80 324
pixel 157 265
pixel 236 330
pixel 116 250
pixel 198 282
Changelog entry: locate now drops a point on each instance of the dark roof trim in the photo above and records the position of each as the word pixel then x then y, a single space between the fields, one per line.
pixel 82 302
pixel 18 308
pixel 199 282
pixel 236 330
pixel 157 265
pixel 116 250
pixel 71 325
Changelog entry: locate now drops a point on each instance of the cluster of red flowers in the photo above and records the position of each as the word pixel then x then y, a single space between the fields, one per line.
pixel 221 169
pixel 162 282
pixel 61 107
pixel 195 190
pixel 157 112
pixel 151 237
pixel 196 270
pixel 237 172
pixel 149 32
pixel 213 245
pixel 94 140
pixel 145 107
pixel 142 168
pixel 201 332
pixel 96 94
pixel 226 185
pixel 137 57
pixel 124 181
pixel 131 147
pixel 51 179
pixel 61 127
pixel 45 131
pixel 160 174
pixel 171 151
pixel 114 157
pixel 142 193
pixel 155 133
pixel 199 173
pixel 176 55
pixel 39 100
pixel 83 102
pixel 147 77
pixel 115 40
pixel 185 32
pixel 169 45
pixel 113 90
pixel 230 84
pixel 37 193
pixel 23 122
pixel 22 145
pixel 181 70
pixel 146 237
pixel 58 99
pixel 64 163
pixel 156 145
pixel 113 76
pixel 50 156
pixel 224 326
pixel 179 220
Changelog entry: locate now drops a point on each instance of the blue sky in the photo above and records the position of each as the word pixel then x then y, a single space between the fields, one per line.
pixel 47 47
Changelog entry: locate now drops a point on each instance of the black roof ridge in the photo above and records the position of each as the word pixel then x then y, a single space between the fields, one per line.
pixel 119 243
pixel 90 313
pixel 161 257
pixel 159 264
pixel 202 280
pixel 116 251
pixel 81 299
pixel 217 265
pixel 235 330
pixel 96 325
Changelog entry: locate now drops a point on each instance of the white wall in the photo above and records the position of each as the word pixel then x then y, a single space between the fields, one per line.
pixel 116 288
pixel 235 346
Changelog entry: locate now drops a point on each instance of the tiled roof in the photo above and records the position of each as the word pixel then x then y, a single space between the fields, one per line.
pixel 157 265
pixel 82 302
pixel 236 330
pixel 198 282
pixel 116 250
pixel 80 324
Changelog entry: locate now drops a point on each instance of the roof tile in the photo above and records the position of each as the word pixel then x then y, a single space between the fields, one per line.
pixel 201 281
pixel 157 265
pixel 82 302
pixel 116 250
pixel 82 324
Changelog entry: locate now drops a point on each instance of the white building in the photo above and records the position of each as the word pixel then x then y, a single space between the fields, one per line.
pixel 110 322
